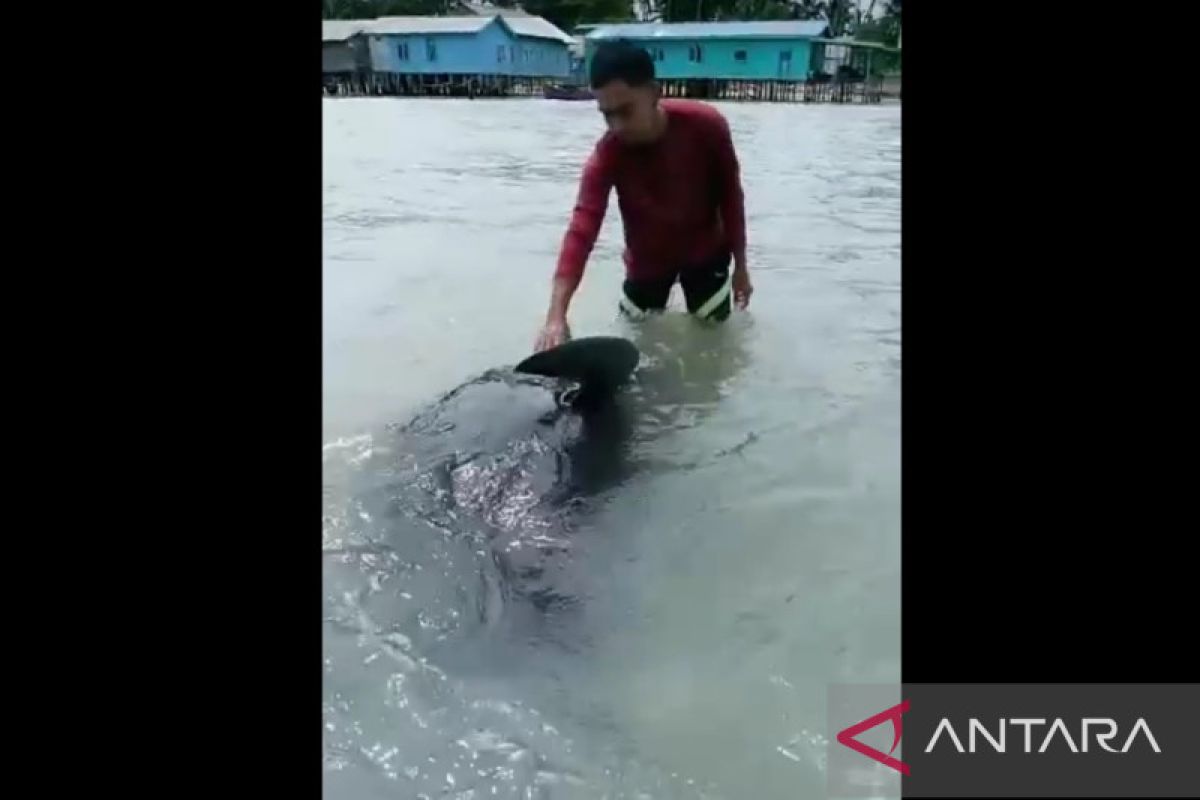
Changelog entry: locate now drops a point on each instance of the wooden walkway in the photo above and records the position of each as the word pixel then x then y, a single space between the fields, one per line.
pixel 870 91
pixel 394 85
pixel 780 91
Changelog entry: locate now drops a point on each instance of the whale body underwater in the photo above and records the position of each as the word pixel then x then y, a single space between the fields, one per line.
pixel 512 460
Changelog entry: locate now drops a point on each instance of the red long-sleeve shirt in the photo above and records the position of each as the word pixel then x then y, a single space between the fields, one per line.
pixel 680 197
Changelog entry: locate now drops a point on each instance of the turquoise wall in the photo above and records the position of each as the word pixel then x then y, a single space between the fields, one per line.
pixel 674 58
pixel 491 51
pixel 540 58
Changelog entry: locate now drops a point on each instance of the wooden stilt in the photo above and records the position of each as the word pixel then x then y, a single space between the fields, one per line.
pixel 400 84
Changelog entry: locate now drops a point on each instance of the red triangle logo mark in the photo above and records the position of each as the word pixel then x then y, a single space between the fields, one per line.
pixel 846 737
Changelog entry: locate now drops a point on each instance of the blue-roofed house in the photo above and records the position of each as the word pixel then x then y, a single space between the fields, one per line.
pixel 547 49
pixel 791 50
pixel 498 45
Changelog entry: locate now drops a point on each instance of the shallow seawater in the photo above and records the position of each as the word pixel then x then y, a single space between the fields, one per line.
pixel 746 556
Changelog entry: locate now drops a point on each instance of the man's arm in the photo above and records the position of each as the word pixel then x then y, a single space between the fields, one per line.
pixel 733 212
pixel 586 220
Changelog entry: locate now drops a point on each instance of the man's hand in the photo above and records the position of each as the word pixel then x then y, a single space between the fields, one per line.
pixel 741 288
pixel 552 334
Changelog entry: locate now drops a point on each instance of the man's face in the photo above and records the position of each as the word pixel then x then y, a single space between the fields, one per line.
pixel 630 112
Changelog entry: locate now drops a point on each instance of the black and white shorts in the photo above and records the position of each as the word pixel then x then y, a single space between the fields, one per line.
pixel 707 289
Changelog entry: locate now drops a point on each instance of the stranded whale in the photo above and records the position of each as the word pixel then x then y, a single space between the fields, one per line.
pixel 514 457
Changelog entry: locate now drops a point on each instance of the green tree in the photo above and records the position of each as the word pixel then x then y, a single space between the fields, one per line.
pixel 872 20
pixel 370 9
pixel 884 29
pixel 566 14
pixel 753 9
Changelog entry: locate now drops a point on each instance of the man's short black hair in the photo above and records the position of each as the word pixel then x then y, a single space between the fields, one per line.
pixel 620 60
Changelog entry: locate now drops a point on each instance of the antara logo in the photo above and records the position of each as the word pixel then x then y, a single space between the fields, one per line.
pixel 846 737
pixel 1057 726
pixel 945 735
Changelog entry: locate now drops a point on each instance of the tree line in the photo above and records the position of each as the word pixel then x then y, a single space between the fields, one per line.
pixel 566 14
pixel 867 20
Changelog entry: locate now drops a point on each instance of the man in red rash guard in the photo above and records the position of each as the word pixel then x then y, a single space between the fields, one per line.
pixel 679 191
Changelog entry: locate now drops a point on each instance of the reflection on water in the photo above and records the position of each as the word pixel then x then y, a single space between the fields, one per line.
pixel 511 613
